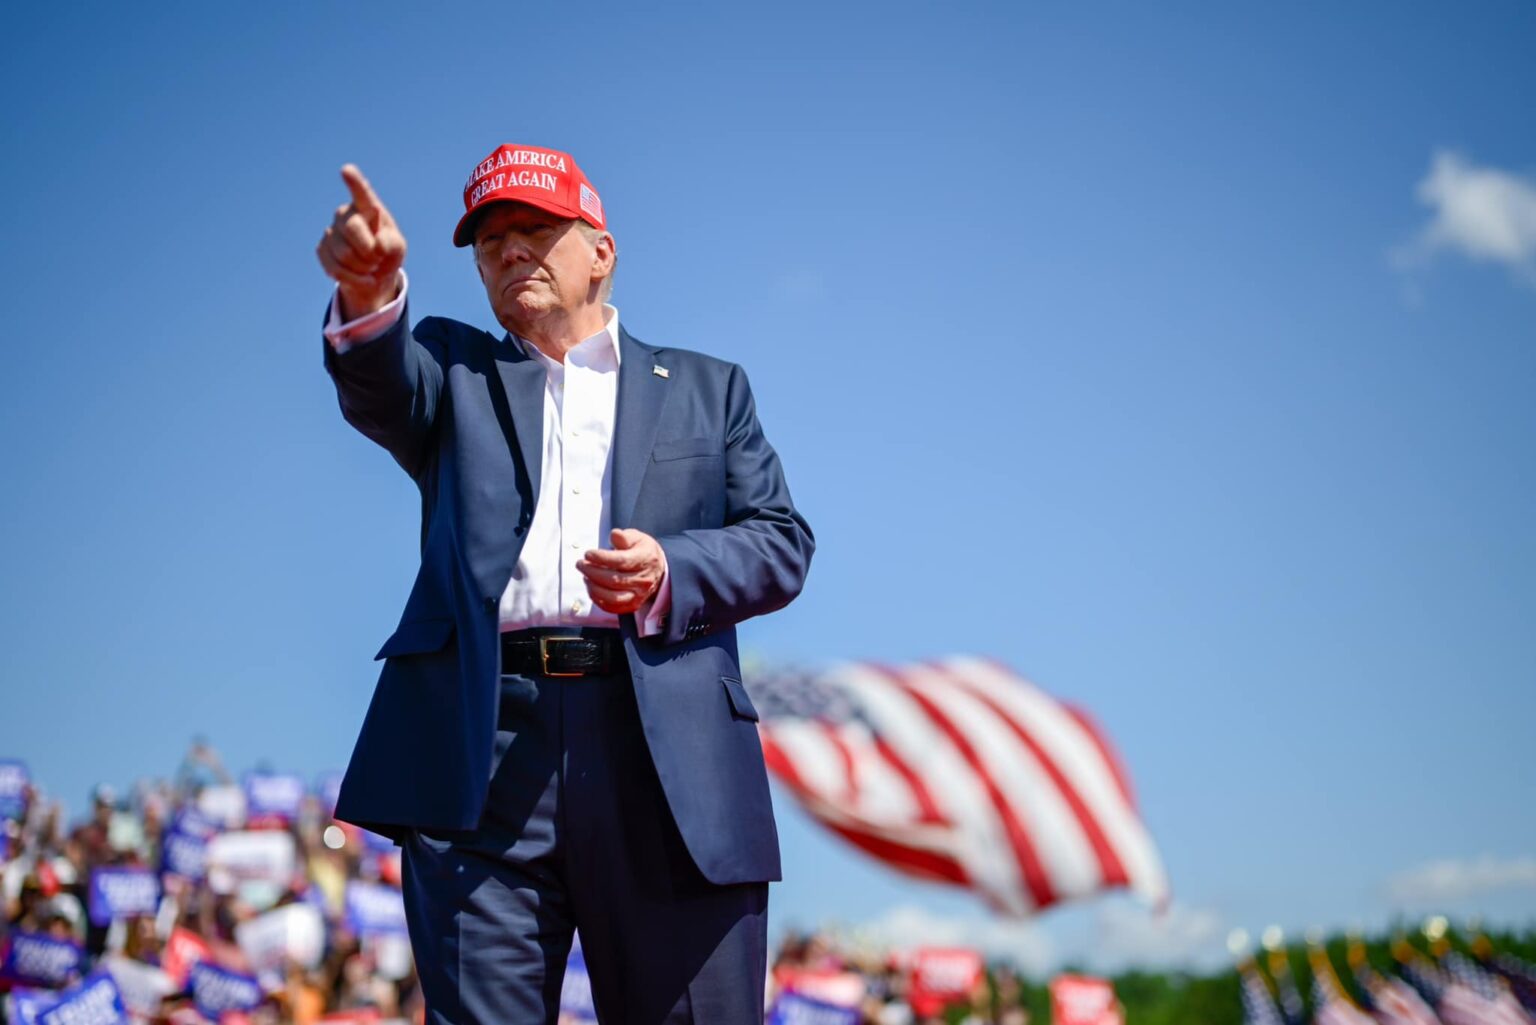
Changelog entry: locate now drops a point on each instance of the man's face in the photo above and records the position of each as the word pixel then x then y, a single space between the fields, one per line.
pixel 534 264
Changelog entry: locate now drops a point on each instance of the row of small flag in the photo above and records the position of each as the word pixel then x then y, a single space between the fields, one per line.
pixel 1447 986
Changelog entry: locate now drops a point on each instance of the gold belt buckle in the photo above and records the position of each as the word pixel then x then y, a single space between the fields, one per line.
pixel 544 655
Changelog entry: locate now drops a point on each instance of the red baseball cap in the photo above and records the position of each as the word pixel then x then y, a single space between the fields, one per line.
pixel 545 178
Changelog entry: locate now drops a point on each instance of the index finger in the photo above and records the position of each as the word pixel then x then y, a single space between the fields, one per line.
pixel 363 197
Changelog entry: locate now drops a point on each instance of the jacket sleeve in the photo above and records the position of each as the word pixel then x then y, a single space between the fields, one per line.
pixel 390 388
pixel 757 562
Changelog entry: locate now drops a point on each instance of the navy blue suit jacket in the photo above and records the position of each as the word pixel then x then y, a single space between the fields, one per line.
pixel 462 412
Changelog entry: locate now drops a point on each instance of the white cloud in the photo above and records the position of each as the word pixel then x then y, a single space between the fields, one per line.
pixel 1452 879
pixel 1130 935
pixel 1023 943
pixel 1116 934
pixel 1481 212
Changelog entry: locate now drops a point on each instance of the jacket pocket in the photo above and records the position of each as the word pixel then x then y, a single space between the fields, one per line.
pixel 683 448
pixel 417 637
pixel 736 694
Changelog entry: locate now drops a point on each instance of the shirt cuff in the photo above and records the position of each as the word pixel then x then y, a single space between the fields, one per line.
pixel 651 617
pixel 365 328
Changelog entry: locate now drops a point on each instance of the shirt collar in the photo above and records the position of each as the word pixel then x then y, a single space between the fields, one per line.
pixel 589 351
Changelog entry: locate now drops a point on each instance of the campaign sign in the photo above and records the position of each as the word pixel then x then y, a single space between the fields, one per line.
pixel 270 795
pixel 293 932
pixel 799 1009
pixel 13 788
pixel 96 1001
pixel 266 856
pixel 374 908
pixel 223 805
pixel 576 992
pixel 217 990
pixel 34 959
pixel 143 986
pixel 183 949
pixel 27 1004
pixel 942 976
pixel 185 854
pixel 841 989
pixel 122 893
pixel 391 953
pixel 1084 1000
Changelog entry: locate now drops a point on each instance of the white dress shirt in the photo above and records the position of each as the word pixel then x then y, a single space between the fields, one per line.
pixel 572 513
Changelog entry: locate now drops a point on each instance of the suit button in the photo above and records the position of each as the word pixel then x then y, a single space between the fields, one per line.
pixel 518 530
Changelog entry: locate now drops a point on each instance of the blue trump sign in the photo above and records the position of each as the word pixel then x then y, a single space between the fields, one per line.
pixel 373 908
pixel 185 848
pixel 13 788
pixel 271 795
pixel 194 823
pixel 123 893
pixel 96 1001
pixel 216 990
pixel 29 1003
pixel 185 855
pixel 33 959
pixel 795 1009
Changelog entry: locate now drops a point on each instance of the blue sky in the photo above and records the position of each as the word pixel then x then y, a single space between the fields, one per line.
pixel 1140 348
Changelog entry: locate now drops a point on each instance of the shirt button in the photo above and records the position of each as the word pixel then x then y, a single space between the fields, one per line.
pixel 576 605
pixel 575 491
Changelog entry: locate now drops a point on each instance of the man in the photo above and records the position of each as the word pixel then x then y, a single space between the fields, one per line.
pixel 559 738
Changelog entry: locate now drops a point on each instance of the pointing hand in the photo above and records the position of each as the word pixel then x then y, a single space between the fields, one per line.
pixel 363 249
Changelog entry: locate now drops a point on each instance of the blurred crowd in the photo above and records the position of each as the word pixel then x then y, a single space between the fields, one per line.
pixel 912 987
pixel 46 866
pixel 206 902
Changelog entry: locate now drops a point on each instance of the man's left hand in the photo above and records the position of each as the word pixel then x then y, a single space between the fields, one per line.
pixel 623 578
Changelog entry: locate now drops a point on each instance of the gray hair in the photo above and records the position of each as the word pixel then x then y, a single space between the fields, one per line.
pixel 592 234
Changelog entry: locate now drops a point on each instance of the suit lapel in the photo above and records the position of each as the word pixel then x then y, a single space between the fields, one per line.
pixel 642 397
pixel 523 379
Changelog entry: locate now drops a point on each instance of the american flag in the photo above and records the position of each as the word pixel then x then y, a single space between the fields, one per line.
pixel 1330 1004
pixel 1457 1002
pixel 1502 1007
pixel 1520 975
pixel 1393 1001
pixel 1258 1002
pixel 1291 1004
pixel 960 771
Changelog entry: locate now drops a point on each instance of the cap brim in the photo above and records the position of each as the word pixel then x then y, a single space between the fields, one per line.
pixel 464 233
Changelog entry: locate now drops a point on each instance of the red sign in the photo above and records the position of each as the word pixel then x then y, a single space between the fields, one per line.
pixel 183 949
pixel 1084 1000
pixel 942 976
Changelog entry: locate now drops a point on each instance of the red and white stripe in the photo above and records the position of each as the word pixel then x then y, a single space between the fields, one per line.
pixel 1460 1004
pixel 969 774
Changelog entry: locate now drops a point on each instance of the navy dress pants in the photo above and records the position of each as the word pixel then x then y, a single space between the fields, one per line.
pixel 577 835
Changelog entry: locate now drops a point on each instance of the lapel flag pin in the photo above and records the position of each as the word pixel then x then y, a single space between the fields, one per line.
pixel 661 371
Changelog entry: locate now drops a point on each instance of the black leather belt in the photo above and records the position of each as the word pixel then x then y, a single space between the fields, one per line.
pixel 556 652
